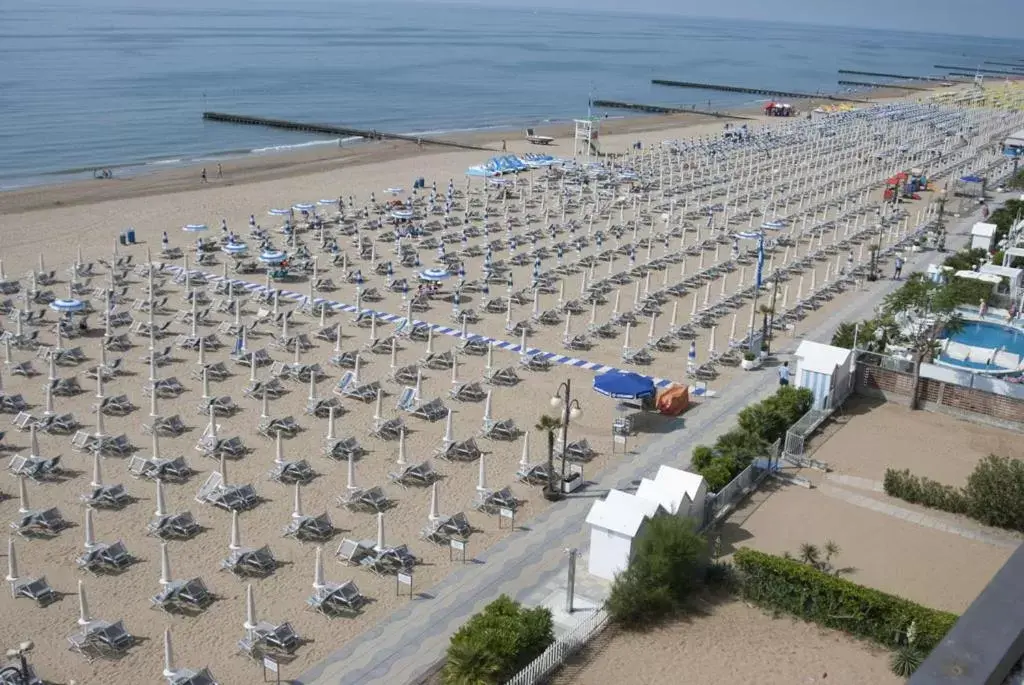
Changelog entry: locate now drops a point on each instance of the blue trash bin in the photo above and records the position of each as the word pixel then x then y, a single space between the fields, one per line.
pixel 131 236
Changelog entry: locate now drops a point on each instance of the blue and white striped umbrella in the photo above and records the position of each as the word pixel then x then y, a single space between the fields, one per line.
pixel 304 206
pixel 394 191
pixel 325 201
pixel 273 257
pixel 401 214
pixel 277 211
pixel 235 248
pixel 66 306
pixel 434 274
pixel 194 228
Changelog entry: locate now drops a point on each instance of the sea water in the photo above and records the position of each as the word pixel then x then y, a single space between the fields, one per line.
pixel 112 83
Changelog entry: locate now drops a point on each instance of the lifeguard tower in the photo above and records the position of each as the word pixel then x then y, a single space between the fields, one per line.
pixel 586 143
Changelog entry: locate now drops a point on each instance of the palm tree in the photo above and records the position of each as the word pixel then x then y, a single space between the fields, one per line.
pixel 550 424
pixel 469 663
pixel 810 554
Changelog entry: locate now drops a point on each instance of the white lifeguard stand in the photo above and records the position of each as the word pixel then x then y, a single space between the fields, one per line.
pixel 585 143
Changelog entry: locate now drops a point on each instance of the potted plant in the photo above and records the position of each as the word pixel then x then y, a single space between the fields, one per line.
pixel 750 361
pixel 764 351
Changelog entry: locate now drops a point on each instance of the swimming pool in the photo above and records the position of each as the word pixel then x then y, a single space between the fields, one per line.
pixel 991 336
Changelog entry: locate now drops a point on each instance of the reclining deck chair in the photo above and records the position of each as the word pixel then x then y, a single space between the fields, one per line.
pixel 310 528
pixel 250 562
pixel 181 526
pixel 370 500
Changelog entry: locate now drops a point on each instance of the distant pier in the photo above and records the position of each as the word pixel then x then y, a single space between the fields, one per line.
pixel 979 70
pixel 1007 64
pixel 868 84
pixel 661 109
pixel 328 129
pixel 754 91
pixel 901 77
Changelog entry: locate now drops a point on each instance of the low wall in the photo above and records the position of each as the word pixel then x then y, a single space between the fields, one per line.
pixel 935 395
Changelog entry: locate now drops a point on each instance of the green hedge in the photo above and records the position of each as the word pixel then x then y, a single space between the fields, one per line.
pixel 760 425
pixel 994 494
pixel 795 588
pixel 917 490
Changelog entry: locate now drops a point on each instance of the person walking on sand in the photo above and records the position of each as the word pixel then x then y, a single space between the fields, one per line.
pixel 220 172
pixel 202 174
pixel 784 374
pixel 165 241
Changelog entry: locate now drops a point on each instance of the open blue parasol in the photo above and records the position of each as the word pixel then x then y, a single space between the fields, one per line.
pixel 434 274
pixel 621 385
pixel 273 257
pixel 66 306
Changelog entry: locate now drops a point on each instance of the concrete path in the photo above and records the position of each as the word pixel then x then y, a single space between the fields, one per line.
pixel 989 536
pixel 409 642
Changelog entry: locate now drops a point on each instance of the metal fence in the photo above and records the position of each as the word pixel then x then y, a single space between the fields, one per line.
pixel 796 436
pixel 562 648
pixel 748 479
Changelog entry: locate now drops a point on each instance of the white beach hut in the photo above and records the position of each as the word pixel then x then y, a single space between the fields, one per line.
pixel 615 523
pixel 825 371
pixel 678 492
pixel 982 235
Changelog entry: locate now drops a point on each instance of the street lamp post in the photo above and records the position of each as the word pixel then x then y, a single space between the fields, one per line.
pixel 570 587
pixel 570 410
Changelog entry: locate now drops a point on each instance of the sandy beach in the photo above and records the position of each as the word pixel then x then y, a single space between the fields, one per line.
pixel 58 223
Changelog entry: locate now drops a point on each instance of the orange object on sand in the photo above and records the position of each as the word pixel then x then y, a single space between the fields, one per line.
pixel 673 400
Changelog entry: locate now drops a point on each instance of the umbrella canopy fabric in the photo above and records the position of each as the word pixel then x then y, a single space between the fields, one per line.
pixel 273 257
pixel 304 206
pixel 279 212
pixel 194 228
pixel 235 248
pixel 326 202
pixel 434 274
pixel 67 305
pixel 624 386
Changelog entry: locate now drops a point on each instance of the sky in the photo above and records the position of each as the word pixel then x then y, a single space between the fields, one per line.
pixel 996 18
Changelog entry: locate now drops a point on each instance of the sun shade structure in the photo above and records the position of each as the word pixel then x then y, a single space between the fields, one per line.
pixel 624 386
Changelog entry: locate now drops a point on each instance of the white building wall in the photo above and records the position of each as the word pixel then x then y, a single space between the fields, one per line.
pixel 610 553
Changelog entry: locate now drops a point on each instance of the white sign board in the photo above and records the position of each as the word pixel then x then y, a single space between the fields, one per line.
pixel 269 664
pixel 506 513
pixel 458 545
pixel 405 579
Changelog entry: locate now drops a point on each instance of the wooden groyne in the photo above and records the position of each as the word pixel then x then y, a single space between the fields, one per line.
pixel 1006 64
pixel 753 91
pixel 868 84
pixel 979 70
pixel 661 109
pixel 330 130
pixel 900 77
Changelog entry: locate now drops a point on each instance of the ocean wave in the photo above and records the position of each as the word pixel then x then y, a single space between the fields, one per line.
pixel 299 146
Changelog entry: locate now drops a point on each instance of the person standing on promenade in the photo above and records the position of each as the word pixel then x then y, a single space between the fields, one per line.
pixel 899 268
pixel 784 374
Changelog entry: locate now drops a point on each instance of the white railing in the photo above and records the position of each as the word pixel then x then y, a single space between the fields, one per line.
pixel 561 649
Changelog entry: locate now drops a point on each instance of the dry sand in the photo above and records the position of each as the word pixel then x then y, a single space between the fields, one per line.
pixel 937 568
pixel 733 643
pixel 210 639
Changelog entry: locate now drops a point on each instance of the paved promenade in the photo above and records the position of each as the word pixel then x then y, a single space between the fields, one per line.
pixel 526 564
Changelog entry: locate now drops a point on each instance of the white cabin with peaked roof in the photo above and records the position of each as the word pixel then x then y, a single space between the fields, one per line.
pixel 678 492
pixel 615 523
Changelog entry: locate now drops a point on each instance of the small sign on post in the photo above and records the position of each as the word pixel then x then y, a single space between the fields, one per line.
pixel 402 578
pixel 269 664
pixel 506 513
pixel 456 546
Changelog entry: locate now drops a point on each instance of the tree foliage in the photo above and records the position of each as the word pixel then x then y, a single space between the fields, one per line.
pixel 667 568
pixel 759 425
pixel 496 643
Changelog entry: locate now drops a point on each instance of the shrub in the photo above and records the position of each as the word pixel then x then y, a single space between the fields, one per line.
pixel 995 492
pixel 917 490
pixel 496 643
pixel 801 590
pixel 667 567
pixel 702 456
pixel 719 472
pixel 760 425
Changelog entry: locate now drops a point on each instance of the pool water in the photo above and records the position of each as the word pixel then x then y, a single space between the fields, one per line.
pixel 991 336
